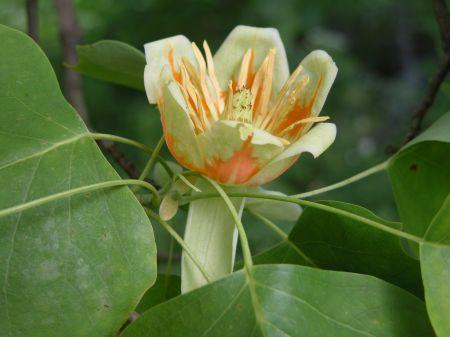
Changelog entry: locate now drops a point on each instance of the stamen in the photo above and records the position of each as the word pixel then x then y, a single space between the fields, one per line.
pixel 176 74
pixel 192 112
pixel 284 141
pixel 245 69
pixel 304 121
pixel 188 112
pixel 212 76
pixel 205 91
pixel 281 98
pixel 186 81
pixel 263 106
pixel 285 108
pixel 227 112
pixel 191 71
pixel 203 114
pixel 256 86
pixel 257 81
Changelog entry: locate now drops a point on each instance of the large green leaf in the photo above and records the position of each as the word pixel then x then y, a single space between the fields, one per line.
pixel 286 252
pixel 112 61
pixel 420 175
pixel 286 300
pixel 435 262
pixel 332 241
pixel 77 266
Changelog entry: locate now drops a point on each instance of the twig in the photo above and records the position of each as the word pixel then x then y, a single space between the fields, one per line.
pixel 443 20
pixel 33 19
pixel 133 316
pixel 127 165
pixel 428 100
pixel 70 35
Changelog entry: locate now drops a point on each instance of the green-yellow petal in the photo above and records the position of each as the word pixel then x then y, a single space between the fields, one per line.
pixel 211 235
pixel 178 130
pixel 228 58
pixel 316 141
pixel 160 54
pixel 322 71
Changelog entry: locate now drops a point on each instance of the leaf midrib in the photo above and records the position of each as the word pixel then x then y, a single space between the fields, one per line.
pixel 44 151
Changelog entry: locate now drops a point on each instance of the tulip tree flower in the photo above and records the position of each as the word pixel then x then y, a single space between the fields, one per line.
pixel 237 117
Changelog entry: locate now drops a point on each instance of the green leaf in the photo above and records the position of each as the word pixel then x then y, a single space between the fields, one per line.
pixel 112 61
pixel 285 300
pixel 336 242
pixel 165 288
pixel 284 252
pixel 435 262
pixel 73 267
pixel 420 175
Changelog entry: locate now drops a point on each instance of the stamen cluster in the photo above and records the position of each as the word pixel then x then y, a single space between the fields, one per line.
pixel 248 99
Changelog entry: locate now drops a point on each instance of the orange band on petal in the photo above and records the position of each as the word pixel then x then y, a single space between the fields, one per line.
pixel 299 111
pixel 176 74
pixel 235 170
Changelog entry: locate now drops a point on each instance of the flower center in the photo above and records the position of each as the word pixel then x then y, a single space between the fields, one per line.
pixel 248 98
pixel 241 109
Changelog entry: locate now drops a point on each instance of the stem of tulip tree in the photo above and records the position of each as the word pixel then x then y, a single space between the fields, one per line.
pixel 75 191
pixel 248 262
pixel 307 203
pixel 180 241
pixel 377 168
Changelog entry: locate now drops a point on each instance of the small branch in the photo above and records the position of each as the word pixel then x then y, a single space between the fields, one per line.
pixel 428 100
pixel 133 316
pixel 33 19
pixel 306 203
pixel 70 35
pixel 76 191
pixel 152 159
pixel 372 170
pixel 119 158
pixel 135 144
pixel 443 20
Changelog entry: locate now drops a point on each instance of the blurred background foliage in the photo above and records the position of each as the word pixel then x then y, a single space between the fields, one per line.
pixel 386 52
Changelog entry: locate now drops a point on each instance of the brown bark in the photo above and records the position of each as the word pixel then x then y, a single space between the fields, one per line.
pixel 70 35
pixel 443 21
pixel 33 19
